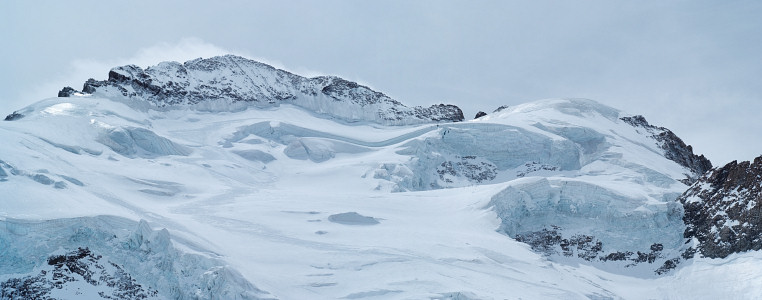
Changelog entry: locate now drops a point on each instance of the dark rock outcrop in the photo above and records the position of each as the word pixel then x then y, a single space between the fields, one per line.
pixel 480 114
pixel 469 167
pixel 551 241
pixel 501 108
pixel 723 209
pixel 67 92
pixel 674 148
pixel 440 113
pixel 14 116
pixel 72 267
pixel 236 79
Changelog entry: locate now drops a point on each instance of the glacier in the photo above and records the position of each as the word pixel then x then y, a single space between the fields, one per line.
pixel 226 198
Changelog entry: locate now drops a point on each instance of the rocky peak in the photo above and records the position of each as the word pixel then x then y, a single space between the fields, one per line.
pixel 66 92
pixel 14 116
pixel 723 209
pixel 674 148
pixel 501 108
pixel 230 79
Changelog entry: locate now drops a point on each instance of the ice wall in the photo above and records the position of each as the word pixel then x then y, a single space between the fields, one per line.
pixel 466 154
pixel 574 219
pixel 149 256
pixel 139 142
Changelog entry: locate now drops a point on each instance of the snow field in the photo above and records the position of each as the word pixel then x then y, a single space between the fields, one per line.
pixel 240 198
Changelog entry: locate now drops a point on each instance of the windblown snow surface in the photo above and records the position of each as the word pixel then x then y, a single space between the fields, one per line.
pixel 281 203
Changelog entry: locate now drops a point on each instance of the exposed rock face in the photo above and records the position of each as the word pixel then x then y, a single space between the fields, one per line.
pixel 723 209
pixel 501 108
pixel 551 242
pixel 674 148
pixel 14 116
pixel 439 113
pixel 480 114
pixel 532 167
pixel 232 79
pixel 66 92
pixel 469 167
pixel 545 241
pixel 77 270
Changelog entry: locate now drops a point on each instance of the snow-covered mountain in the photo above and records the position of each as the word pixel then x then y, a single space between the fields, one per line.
pixel 225 178
pixel 227 82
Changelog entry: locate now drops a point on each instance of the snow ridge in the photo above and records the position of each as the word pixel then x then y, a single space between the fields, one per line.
pixel 674 148
pixel 225 82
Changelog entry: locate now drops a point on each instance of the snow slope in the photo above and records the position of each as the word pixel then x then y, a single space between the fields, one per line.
pixel 280 202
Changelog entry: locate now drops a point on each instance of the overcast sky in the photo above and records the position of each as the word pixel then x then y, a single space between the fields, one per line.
pixel 692 66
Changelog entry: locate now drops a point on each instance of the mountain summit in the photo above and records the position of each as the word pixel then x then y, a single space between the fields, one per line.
pixel 229 82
